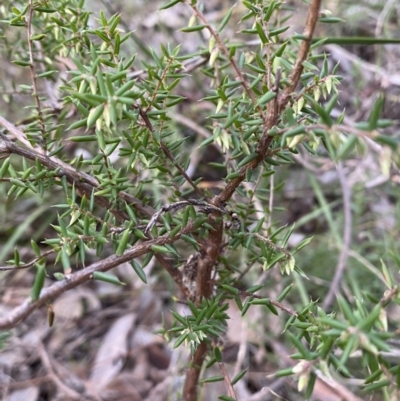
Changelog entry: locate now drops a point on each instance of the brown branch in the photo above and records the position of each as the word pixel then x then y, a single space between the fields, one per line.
pixel 27 265
pixel 85 184
pixel 193 373
pixel 273 113
pixel 83 181
pixel 33 75
pixel 16 133
pixel 211 247
pixel 312 18
pixel 210 250
pixel 82 276
pixel 225 50
pixel 228 382
pixel 334 387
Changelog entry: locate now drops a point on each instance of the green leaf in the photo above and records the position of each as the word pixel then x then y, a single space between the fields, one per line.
pixel 375 113
pixel 278 31
pixel 284 372
pixel 39 36
pixel 324 115
pixel 213 379
pixel 4 167
pixel 226 398
pixel 292 132
pixel 255 288
pixel 123 242
pixel 39 282
pixel 46 10
pixel 306 354
pixel 387 140
pixel 82 138
pixel 310 386
pixel 284 293
pixel 226 19
pixel 352 341
pixel 16 257
pixel 247 159
pixel 94 115
pixel 367 322
pixel 218 354
pixel 180 340
pixel 170 4
pixel 330 20
pixel 238 376
pixel 261 33
pixel 274 260
pixel 77 124
pixel 22 63
pixel 347 147
pixel 109 278
pixel 160 248
pixel 377 385
pixel 230 289
pixel 267 97
pixel 347 310
pixel 302 244
pixel 193 28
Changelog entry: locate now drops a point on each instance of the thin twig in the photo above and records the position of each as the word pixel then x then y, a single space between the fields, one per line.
pixel 213 243
pixel 29 264
pixel 59 383
pixel 271 199
pixel 243 347
pixel 225 50
pixel 275 246
pixel 193 373
pixel 337 388
pixel 16 133
pixel 389 5
pixel 385 76
pixel 188 66
pixel 188 122
pixel 227 380
pixel 82 276
pixel 33 75
pixel 279 305
pixel 84 183
pixel 312 18
pixel 343 256
pixel 272 118
pixel 169 155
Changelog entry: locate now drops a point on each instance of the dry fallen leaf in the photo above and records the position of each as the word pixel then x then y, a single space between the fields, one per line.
pixel 113 349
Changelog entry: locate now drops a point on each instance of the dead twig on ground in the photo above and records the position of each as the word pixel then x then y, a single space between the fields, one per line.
pixel 63 388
